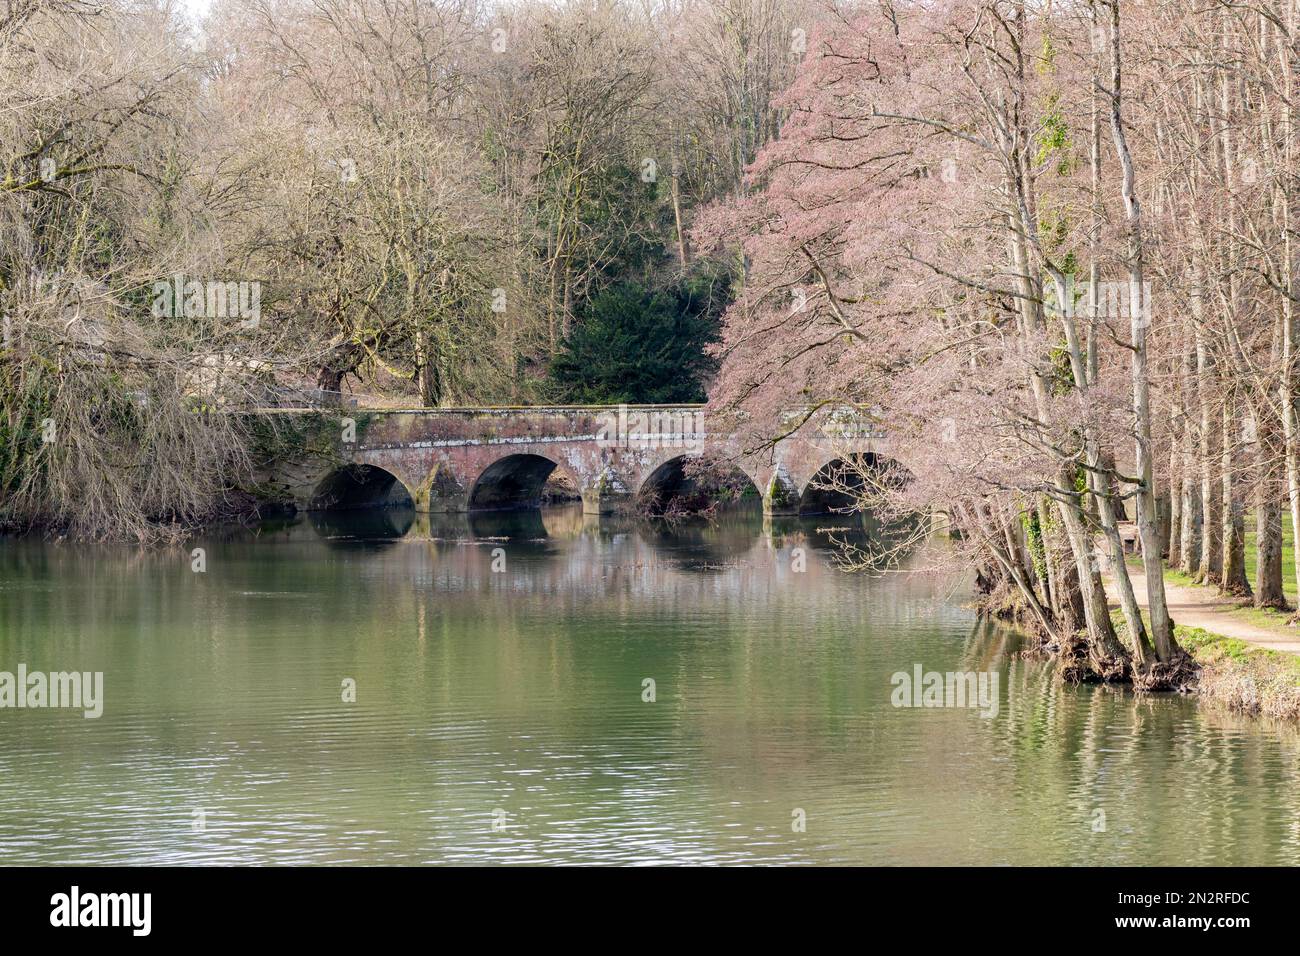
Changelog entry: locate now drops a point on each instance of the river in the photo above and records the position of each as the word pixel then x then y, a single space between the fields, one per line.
pixel 502 709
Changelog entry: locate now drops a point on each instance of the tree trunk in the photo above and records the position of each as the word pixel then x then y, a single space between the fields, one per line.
pixel 1268 517
pixel 426 372
pixel 1190 534
pixel 1211 549
pixel 1268 554
pixel 1143 656
pixel 1233 579
pixel 1291 425
pixel 329 379
pixel 1162 627
pixel 1050 570
pixel 1104 646
pixel 1067 595
pixel 1287 398
pixel 1175 551
pixel 683 245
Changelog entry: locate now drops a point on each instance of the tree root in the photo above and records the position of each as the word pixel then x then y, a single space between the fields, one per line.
pixel 1180 675
pixel 1080 663
pixel 1275 606
pixel 1072 660
pixel 1109 669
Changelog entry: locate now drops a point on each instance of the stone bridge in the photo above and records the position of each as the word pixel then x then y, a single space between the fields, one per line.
pixel 468 459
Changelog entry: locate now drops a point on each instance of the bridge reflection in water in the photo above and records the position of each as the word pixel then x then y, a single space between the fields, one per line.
pixel 715 542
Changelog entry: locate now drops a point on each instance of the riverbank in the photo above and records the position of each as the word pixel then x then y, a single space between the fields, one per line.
pixel 1249 664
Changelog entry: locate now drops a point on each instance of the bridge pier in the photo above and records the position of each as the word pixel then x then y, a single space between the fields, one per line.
pixel 606 495
pixel 779 509
pixel 435 504
pixel 440 493
pixel 780 497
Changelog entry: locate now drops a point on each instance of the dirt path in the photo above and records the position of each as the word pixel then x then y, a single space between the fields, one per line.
pixel 1194 606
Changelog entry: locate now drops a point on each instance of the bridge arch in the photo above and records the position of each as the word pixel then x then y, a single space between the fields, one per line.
pixel 516 481
pixel 356 485
pixel 672 479
pixel 835 487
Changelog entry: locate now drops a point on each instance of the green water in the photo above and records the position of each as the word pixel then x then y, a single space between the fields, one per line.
pixel 499 715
